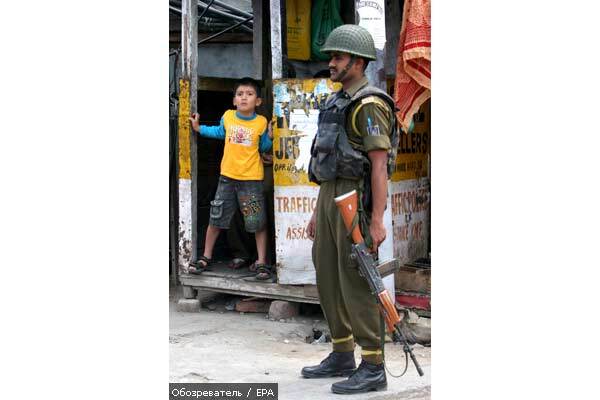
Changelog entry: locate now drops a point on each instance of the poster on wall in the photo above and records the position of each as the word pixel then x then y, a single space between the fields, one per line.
pixel 371 16
pixel 296 111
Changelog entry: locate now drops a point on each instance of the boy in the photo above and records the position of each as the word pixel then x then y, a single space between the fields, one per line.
pixel 241 181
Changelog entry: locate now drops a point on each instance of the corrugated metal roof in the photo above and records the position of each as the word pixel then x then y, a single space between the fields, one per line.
pixel 220 15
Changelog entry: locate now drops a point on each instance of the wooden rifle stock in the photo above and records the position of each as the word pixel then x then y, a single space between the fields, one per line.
pixel 348 206
pixel 367 268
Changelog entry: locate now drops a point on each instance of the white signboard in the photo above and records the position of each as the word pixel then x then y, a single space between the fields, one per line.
pixel 293 208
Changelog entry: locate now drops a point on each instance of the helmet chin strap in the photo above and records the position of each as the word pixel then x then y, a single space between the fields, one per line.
pixel 347 68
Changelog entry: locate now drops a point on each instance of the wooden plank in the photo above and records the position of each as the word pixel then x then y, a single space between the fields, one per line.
pixel 413 279
pixel 311 291
pixel 173 198
pixel 258 38
pixel 216 84
pixel 276 40
pixel 393 19
pixel 248 288
pixel 388 269
pixel 348 12
pixel 187 141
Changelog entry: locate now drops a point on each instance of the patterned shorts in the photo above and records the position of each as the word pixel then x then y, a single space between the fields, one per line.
pixel 247 195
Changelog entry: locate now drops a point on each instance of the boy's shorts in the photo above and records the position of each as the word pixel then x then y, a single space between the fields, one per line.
pixel 233 193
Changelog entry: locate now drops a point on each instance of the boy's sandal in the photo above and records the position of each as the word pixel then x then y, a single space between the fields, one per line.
pixel 252 267
pixel 264 272
pixel 237 263
pixel 199 266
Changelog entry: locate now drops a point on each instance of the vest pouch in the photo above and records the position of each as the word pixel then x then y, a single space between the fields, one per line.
pixel 311 174
pixel 351 163
pixel 326 143
pixel 324 152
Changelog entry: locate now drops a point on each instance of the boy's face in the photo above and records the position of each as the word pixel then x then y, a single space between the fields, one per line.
pixel 245 99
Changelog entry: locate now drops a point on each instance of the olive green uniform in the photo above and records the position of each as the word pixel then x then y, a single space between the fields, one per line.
pixel 349 307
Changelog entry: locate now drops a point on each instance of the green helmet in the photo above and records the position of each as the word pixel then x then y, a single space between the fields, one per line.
pixel 351 39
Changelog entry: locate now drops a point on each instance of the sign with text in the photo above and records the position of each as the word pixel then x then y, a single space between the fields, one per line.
pixel 223 391
pixel 293 208
pixel 410 201
pixel 414 148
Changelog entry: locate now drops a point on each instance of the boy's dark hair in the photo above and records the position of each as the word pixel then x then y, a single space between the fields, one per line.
pixel 247 82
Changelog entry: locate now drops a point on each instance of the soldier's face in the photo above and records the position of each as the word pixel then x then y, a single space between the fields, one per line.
pixel 336 64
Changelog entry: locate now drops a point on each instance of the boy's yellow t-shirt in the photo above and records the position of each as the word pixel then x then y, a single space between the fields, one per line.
pixel 241 158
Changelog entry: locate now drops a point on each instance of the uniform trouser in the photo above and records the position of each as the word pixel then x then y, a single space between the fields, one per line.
pixel 349 307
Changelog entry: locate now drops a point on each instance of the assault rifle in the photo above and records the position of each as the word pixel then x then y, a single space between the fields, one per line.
pixel 368 269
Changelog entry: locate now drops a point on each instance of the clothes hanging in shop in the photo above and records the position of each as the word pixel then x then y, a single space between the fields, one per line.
pixel 413 67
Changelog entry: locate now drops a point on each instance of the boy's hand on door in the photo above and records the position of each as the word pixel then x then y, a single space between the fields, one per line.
pixel 195 120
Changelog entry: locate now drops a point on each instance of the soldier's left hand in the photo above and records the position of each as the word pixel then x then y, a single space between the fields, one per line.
pixel 377 231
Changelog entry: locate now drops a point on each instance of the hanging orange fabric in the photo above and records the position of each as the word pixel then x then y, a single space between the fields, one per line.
pixel 413 67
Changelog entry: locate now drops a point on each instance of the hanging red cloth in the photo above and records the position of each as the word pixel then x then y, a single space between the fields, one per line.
pixel 413 67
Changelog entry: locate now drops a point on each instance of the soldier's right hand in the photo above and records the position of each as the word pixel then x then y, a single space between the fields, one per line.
pixel 312 226
pixel 195 120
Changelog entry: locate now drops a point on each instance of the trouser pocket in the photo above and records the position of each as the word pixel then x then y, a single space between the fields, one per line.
pixel 216 208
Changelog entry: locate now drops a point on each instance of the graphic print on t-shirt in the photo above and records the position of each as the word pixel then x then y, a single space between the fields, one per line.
pixel 240 135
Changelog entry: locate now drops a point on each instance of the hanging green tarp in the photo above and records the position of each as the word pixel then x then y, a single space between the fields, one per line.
pixel 325 18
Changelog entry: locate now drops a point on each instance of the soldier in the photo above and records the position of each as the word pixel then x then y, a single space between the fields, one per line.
pixel 354 149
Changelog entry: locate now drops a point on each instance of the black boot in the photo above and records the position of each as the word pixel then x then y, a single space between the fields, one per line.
pixel 366 378
pixel 336 364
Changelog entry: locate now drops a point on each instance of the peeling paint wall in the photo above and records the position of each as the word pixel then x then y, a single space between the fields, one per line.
pixel 411 191
pixel 185 182
pixel 293 209
pixel 295 125
pixel 410 213
pixel 185 224
pixel 276 40
pixel 295 116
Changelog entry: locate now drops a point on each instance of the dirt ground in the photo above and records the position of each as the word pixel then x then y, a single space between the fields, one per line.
pixel 227 346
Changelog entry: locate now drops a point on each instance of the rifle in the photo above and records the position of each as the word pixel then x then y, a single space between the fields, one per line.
pixel 367 268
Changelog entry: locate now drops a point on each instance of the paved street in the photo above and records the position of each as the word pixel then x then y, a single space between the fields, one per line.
pixel 226 346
